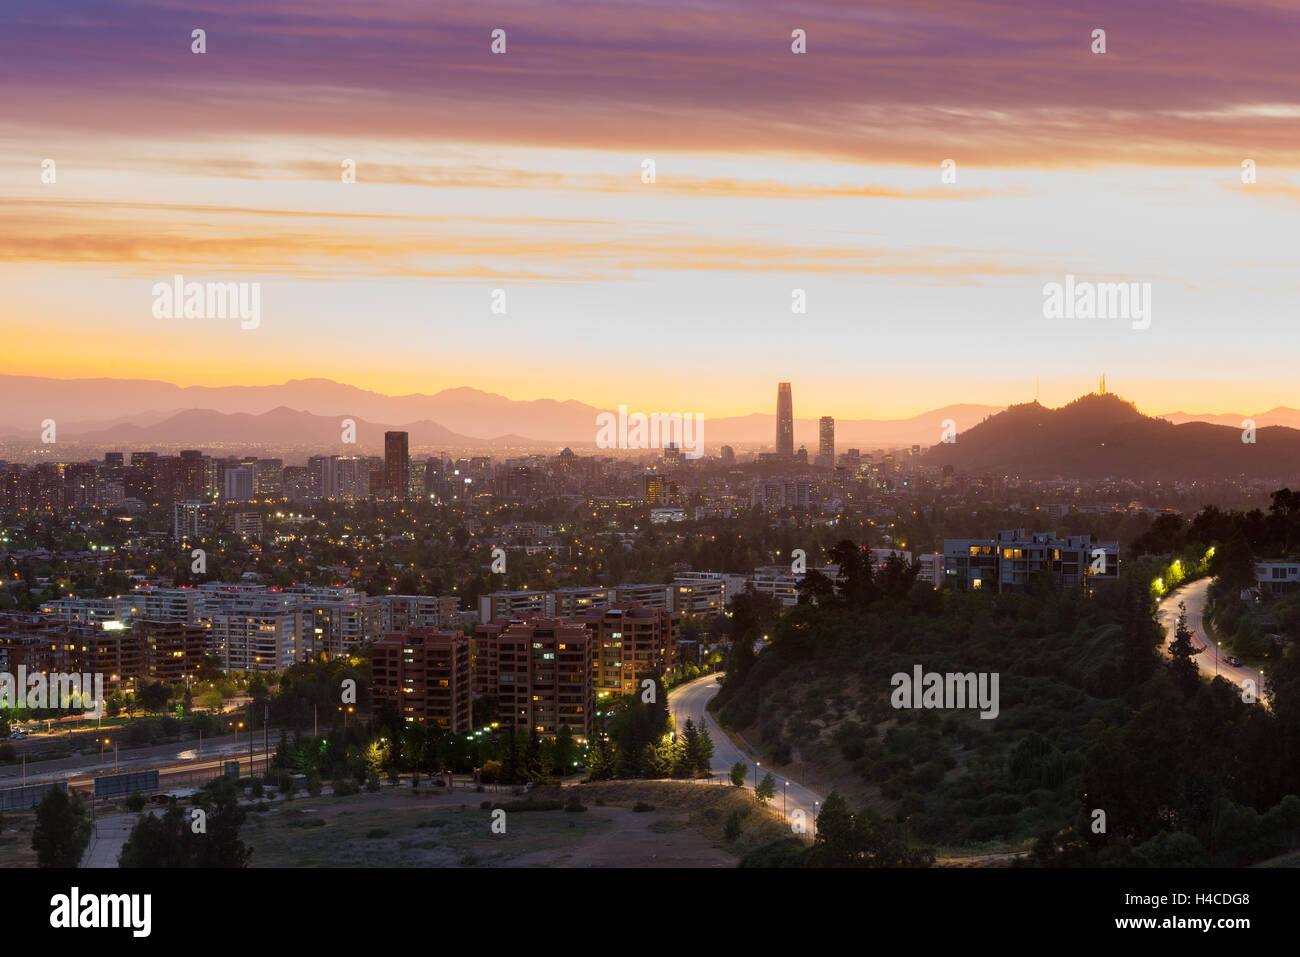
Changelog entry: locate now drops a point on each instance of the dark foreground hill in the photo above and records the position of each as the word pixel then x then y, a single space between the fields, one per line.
pixel 1098 436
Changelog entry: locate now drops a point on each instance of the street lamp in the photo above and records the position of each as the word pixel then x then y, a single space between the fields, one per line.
pixel 783 794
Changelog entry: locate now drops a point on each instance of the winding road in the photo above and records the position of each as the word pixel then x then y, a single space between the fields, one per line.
pixel 689 701
pixel 1211 660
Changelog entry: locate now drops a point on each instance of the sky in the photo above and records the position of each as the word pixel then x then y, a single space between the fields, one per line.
pixel 773 172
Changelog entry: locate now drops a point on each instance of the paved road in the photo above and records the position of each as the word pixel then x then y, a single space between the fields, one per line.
pixel 1210 661
pixel 107 839
pixel 688 701
pixel 159 756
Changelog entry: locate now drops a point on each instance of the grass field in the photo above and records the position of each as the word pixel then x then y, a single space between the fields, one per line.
pixel 404 828
pixel 16 839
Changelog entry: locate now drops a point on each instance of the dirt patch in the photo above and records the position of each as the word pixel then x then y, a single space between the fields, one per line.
pixel 400 829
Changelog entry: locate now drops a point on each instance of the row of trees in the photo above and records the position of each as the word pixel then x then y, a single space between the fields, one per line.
pixel 205 836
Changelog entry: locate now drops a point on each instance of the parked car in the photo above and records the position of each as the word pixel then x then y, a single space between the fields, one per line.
pixel 1232 660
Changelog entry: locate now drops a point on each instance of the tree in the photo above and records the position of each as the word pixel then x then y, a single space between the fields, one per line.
pixel 154 696
pixel 690 750
pixel 856 584
pixel 739 771
pixel 704 752
pixel 815 588
pixel 1183 667
pixel 766 789
pixel 834 845
pixel 564 753
pixel 881 843
pixel 157 842
pixel 173 841
pixel 745 630
pixel 62 832
pixel 1171 849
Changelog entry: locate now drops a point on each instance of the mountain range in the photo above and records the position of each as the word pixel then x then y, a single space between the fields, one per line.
pixel 303 411
pixel 308 413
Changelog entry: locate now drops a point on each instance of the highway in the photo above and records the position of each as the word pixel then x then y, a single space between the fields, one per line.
pixel 177 759
pixel 688 701
pixel 1209 660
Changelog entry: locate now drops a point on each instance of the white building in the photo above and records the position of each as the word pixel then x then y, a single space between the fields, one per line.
pixel 407 612
pixel 191 520
pixel 1277 577
pixel 516 604
pixel 240 483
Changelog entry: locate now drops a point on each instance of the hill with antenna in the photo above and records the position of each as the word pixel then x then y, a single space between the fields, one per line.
pixel 1101 435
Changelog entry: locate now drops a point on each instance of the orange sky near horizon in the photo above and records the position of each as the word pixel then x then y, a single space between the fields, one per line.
pixel 776 176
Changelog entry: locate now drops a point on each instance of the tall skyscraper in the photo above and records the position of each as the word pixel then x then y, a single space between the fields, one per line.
pixel 784 420
pixel 397 464
pixel 826 429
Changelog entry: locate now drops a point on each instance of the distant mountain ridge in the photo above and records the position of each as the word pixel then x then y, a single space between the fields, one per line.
pixel 112 410
pixel 121 411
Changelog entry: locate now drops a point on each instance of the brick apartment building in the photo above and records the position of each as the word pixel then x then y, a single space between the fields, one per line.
pixel 630 639
pixel 425 674
pixel 125 654
pixel 539 671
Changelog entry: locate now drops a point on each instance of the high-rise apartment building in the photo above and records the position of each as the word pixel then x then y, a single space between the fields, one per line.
pixel 1009 562
pixel 240 483
pixel 191 521
pixel 397 465
pixel 826 433
pixel 540 673
pixel 630 641
pixel 425 675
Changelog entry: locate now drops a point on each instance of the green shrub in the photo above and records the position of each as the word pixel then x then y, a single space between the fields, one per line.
pixel 732 828
pixel 785 852
pixel 528 804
